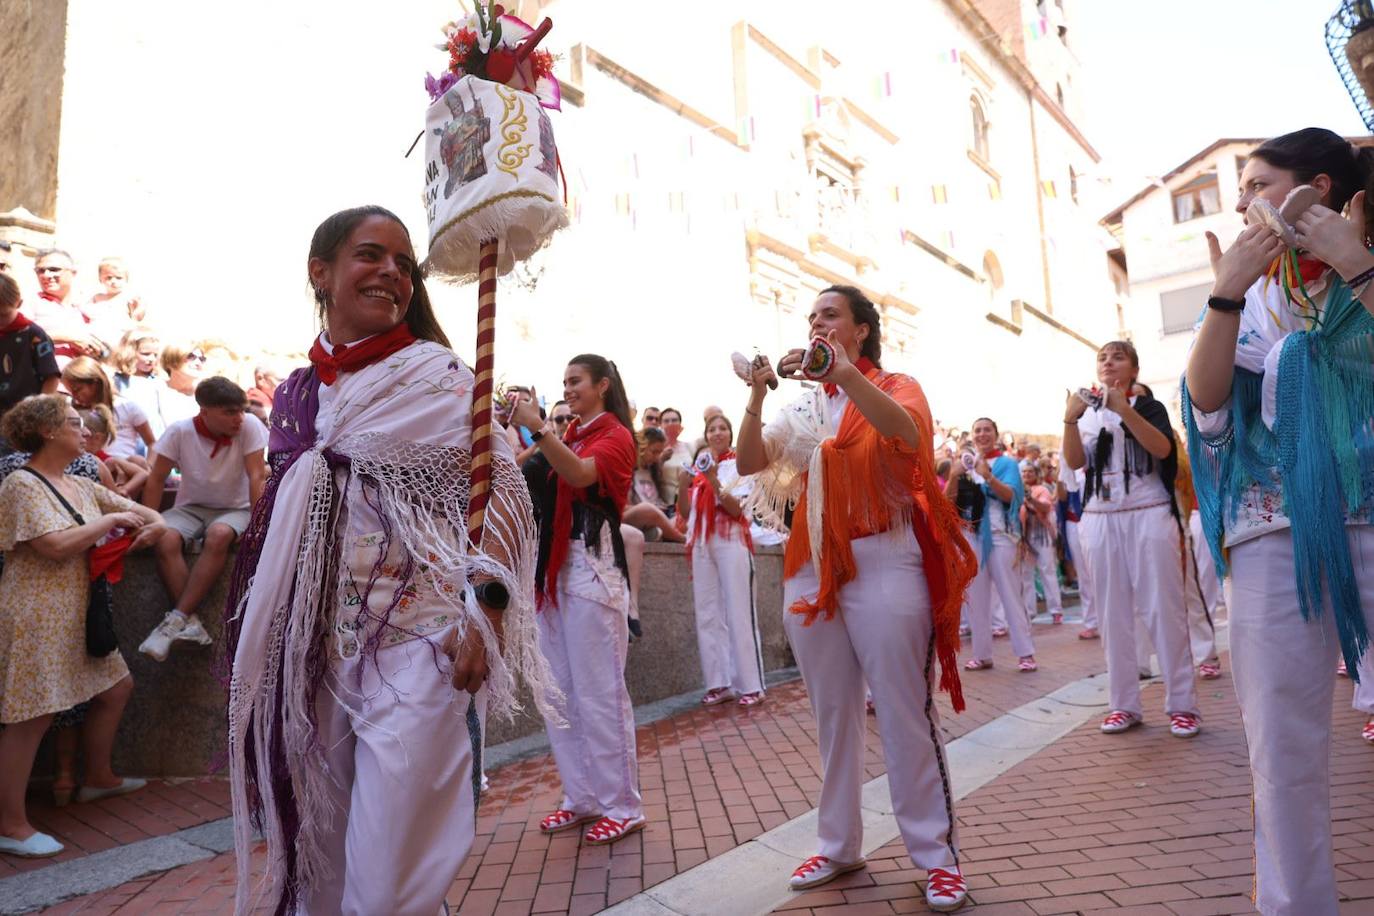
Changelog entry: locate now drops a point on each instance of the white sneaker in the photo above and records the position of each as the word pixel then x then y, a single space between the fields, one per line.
pixel 159 642
pixel 945 889
pixel 194 632
pixel 818 870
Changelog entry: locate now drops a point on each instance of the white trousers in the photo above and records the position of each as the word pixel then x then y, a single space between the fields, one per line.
pixel 1364 690
pixel 1282 666
pixel 399 743
pixel 1044 559
pixel 998 571
pixel 727 619
pixel 1137 573
pixel 1085 578
pixel 881 633
pixel 585 640
pixel 1201 595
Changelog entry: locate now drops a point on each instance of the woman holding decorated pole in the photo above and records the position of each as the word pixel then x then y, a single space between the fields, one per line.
pixel 1279 403
pixel 366 630
pixel 582 482
pixel 722 557
pixel 997 493
pixel 875 571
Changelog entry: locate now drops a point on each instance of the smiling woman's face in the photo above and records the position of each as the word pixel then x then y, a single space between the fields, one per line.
pixel 368 283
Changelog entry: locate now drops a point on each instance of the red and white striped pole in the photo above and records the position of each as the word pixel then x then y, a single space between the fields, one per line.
pixel 482 391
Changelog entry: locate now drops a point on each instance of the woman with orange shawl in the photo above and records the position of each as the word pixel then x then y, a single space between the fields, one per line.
pixel 875 571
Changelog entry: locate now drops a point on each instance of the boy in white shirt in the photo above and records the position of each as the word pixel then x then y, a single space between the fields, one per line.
pixel 220 454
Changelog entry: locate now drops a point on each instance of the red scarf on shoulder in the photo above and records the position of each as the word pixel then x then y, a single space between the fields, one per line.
pixel 710 518
pixel 352 357
pixel 613 447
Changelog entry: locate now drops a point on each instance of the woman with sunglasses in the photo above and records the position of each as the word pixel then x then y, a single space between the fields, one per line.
pixel 49 521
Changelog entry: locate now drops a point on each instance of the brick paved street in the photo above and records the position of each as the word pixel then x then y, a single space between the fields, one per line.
pixel 1136 823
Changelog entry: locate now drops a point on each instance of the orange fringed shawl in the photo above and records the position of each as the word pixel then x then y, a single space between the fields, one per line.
pixel 869 481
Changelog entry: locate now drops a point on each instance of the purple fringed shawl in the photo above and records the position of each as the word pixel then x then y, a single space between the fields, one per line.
pixel 292 433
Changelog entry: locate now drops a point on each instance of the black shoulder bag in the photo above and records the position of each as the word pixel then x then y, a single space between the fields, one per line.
pixel 100 631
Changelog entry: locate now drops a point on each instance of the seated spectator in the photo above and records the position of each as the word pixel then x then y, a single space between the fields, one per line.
pixel 115 309
pixel 26 353
pixel 124 476
pixel 646 509
pixel 44 591
pixel 677 454
pixel 652 418
pixel 220 454
pixel 174 400
pixel 136 362
pixel 57 310
pixel 89 385
pixel 266 378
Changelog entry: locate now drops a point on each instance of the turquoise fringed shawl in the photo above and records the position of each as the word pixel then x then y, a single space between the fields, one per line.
pixel 1005 469
pixel 1319 455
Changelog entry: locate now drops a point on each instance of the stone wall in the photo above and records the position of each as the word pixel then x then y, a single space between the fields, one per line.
pixel 33 40
pixel 174 725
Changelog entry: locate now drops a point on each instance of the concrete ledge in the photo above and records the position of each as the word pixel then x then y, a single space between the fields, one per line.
pixel 174 725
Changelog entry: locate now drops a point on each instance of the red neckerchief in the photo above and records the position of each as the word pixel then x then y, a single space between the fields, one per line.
pixel 220 441
pixel 14 327
pixel 993 455
pixel 102 455
pixel 614 477
pixel 710 520
pixel 1310 269
pixel 864 365
pixel 351 358
pixel 108 559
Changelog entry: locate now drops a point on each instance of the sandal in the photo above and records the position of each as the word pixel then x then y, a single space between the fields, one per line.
pixel 999 632
pixel 1368 733
pixel 1209 671
pixel 1088 633
pixel 563 819
pixel 1027 664
pixel 608 830
pixel 869 707
pixel 751 699
pixel 977 664
pixel 715 696
pixel 1056 619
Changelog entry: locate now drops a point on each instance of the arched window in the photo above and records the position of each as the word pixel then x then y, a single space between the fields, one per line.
pixel 980 127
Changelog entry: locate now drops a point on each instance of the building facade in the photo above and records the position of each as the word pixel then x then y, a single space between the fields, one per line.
pixel 722 167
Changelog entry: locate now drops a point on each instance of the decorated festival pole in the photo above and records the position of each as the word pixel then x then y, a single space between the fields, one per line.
pixel 491 189
pixel 484 372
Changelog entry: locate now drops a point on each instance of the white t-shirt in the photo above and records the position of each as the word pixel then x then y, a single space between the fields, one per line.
pixel 128 417
pixel 220 482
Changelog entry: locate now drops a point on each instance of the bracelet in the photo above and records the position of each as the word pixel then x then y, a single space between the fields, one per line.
pixel 753 413
pixel 1068 422
pixel 1220 304
pixel 1360 278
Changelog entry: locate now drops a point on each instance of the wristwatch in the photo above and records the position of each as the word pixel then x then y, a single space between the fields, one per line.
pixel 492 594
pixel 1225 305
pixel 537 435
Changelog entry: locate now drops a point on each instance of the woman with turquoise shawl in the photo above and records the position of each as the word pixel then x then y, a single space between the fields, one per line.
pixel 1279 403
pixel 989 496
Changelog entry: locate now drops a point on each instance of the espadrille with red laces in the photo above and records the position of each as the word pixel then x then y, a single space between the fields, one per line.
pixel 1118 721
pixel 608 830
pixel 562 819
pixel 1184 725
pixel 945 889
pixel 818 870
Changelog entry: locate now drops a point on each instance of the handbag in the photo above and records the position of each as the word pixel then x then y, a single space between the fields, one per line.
pixel 100 631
